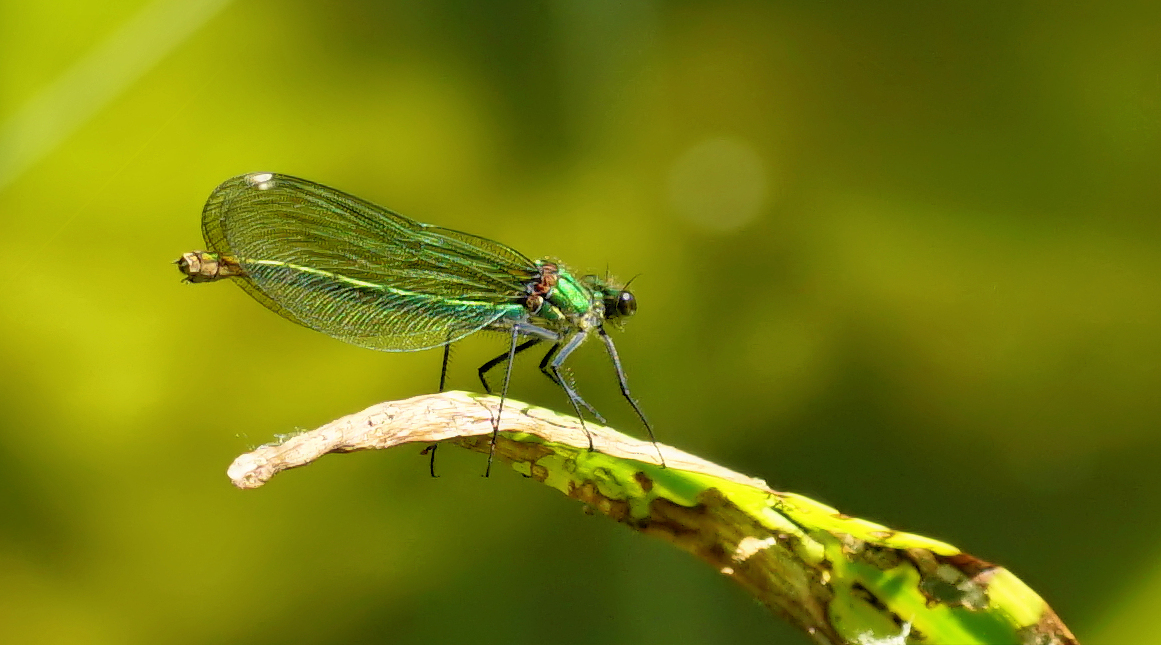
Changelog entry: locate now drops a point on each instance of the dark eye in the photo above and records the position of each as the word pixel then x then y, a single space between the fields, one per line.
pixel 626 304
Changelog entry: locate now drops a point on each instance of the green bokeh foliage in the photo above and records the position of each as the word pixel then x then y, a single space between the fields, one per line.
pixel 941 313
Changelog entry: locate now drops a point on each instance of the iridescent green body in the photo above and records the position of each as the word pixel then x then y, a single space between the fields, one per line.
pixel 371 277
pixel 363 274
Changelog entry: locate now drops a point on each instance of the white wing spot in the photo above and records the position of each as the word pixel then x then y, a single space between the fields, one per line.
pixel 260 180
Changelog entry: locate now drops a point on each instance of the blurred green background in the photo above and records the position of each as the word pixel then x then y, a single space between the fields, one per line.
pixel 900 257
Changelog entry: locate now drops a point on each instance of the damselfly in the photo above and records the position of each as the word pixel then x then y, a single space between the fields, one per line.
pixel 371 277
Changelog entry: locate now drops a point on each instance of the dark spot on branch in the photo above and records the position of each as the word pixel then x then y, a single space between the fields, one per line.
pixel 643 481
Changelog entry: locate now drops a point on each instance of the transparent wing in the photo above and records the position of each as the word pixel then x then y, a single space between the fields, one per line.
pixel 359 272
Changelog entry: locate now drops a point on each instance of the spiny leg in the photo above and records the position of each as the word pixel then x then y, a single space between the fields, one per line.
pixel 442 381
pixel 487 367
pixel 562 346
pixel 544 369
pixel 625 389
pixel 554 366
pixel 443 367
pixel 503 396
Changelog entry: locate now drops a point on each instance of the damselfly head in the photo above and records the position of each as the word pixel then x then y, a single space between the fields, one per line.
pixel 618 301
pixel 622 303
pixel 626 302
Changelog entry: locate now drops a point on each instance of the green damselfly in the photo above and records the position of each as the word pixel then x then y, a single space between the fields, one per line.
pixel 371 277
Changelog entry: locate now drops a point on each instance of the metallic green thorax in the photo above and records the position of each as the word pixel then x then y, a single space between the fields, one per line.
pixel 570 300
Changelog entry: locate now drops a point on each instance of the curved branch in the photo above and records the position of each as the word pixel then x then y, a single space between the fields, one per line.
pixel 840 579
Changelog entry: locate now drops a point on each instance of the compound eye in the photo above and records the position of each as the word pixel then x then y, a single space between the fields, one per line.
pixel 626 304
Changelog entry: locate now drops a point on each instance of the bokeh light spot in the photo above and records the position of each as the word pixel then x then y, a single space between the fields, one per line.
pixel 719 184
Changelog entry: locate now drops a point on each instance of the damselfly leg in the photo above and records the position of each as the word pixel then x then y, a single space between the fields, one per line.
pixel 621 380
pixel 545 370
pixel 430 450
pixel 503 397
pixel 487 367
